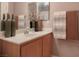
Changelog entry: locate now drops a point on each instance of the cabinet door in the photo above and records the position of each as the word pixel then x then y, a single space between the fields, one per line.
pixel 48 45
pixel 10 49
pixel 72 19
pixel 0 47
pixel 32 49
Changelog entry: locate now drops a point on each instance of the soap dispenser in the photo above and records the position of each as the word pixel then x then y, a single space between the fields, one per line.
pixel 8 26
pixel 13 26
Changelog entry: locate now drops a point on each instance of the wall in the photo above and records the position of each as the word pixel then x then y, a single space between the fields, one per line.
pixel 11 7
pixel 4 7
pixel 7 8
pixel 62 6
pixel 21 8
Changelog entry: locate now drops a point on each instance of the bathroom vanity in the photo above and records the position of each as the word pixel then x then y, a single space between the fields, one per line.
pixel 34 44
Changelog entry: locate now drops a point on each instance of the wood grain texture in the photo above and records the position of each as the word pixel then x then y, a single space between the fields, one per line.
pixel 1 47
pixel 10 49
pixel 33 49
pixel 47 45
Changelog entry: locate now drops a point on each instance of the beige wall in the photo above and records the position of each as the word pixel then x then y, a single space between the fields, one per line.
pixel 4 7
pixel 7 7
pixel 21 8
pixel 62 6
pixel 11 7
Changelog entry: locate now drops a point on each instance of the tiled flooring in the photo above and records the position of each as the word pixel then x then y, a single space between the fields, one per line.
pixel 67 48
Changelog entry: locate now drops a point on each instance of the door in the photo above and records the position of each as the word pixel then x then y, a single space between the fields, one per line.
pixel 72 19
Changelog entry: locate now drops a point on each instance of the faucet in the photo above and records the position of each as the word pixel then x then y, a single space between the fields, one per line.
pixel 26 31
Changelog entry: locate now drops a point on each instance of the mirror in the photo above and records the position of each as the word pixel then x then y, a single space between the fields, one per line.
pixel 39 10
pixel 43 10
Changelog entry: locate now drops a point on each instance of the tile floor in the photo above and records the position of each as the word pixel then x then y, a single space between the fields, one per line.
pixel 67 48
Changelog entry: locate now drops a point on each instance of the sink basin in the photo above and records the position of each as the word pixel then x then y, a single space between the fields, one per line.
pixel 31 34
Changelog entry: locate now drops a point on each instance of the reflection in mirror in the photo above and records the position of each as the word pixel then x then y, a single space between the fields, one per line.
pixel 32 11
pixel 39 10
pixel 43 6
pixel 21 22
pixel 43 10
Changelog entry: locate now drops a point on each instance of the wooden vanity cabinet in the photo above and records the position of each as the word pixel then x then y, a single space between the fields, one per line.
pixel 0 47
pixel 33 49
pixel 39 47
pixel 47 45
pixel 10 49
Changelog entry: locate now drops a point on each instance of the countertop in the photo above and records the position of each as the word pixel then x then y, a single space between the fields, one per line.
pixel 21 37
